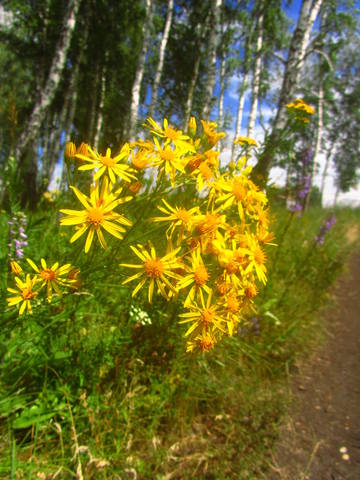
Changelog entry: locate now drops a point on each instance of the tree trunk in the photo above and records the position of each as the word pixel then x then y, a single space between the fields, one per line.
pixel 100 109
pixel 222 90
pixel 213 39
pixel 295 61
pixel 160 65
pixel 240 111
pixel 317 149
pixel 47 95
pixel 256 78
pixel 191 91
pixel 135 94
pixel 326 167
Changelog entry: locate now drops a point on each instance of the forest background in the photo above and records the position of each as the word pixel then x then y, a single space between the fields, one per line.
pixel 94 386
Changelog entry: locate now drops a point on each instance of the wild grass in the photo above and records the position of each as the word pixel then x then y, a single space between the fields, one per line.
pixel 93 389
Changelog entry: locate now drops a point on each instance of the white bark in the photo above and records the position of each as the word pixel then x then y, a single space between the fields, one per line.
pixel 160 66
pixel 326 168
pixel 213 40
pixel 319 134
pixel 193 81
pixel 296 57
pixel 47 94
pixel 135 94
pixel 100 115
pixel 256 78
pixel 240 111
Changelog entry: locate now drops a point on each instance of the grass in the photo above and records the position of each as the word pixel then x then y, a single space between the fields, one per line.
pixel 90 391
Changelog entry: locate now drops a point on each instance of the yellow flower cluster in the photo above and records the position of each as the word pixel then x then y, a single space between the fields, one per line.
pixel 214 236
pixel 301 110
pixel 215 256
pixel 54 278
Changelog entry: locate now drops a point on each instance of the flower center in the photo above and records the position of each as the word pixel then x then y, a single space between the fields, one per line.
pixel 209 224
pixel 48 274
pixel 27 294
pixel 207 316
pixel 167 155
pixel 251 291
pixel 201 275
pixel 154 268
pixel 259 256
pixel 233 304
pixel 183 215
pixel 107 161
pixel 205 171
pixel 238 191
pixel 95 216
pixel 171 133
pixel 206 343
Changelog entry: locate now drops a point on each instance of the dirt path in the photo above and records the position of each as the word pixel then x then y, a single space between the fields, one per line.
pixel 321 441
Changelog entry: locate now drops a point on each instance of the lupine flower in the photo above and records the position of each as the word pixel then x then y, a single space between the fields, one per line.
pixel 325 227
pixel 17 236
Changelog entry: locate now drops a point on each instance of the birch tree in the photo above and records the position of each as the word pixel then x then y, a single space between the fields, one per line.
pixel 256 77
pixel 295 61
pixel 136 88
pixel 49 90
pixel 162 50
pixel 212 39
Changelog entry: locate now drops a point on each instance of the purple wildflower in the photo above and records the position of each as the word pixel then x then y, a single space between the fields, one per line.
pixel 325 227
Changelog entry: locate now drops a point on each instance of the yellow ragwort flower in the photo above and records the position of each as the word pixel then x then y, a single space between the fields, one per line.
pixel 52 276
pixel 178 217
pixel 107 163
pixel 98 213
pixel 197 275
pixel 15 268
pixel 170 134
pixel 155 269
pixel 250 142
pixel 24 294
pixel 205 318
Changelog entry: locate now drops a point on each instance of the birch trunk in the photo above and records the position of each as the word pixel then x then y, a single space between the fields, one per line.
pixel 136 89
pixel 256 78
pixel 319 134
pixel 190 96
pixel 240 112
pixel 326 168
pixel 48 92
pixel 222 90
pixel 294 64
pixel 164 40
pixel 213 39
pixel 100 115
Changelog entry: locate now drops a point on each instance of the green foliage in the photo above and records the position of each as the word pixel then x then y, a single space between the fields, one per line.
pixel 113 370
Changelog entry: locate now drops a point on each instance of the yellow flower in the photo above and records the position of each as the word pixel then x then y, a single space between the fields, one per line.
pixel 105 163
pixel 192 127
pixel 246 141
pixel 155 269
pixel 15 268
pixel 298 105
pixel 202 343
pixel 197 276
pixel 170 134
pixel 51 276
pixel 98 214
pixel 70 150
pixel 205 318
pixel 24 294
pixel 169 160
pixel 212 136
pixel 178 217
pixel 257 259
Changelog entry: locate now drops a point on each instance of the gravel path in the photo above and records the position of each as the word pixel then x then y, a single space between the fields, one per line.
pixel 321 440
